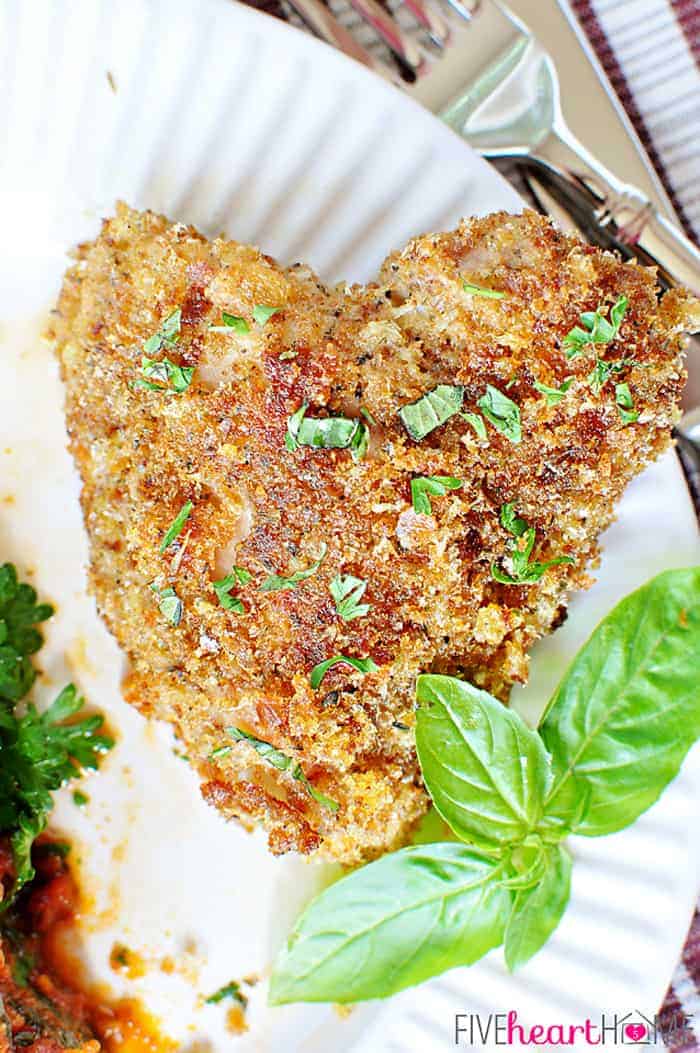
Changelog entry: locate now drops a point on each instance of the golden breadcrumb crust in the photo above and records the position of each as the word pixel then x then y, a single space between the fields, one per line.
pixel 220 445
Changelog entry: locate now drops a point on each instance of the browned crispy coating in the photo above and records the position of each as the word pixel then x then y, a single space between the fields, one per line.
pixel 220 445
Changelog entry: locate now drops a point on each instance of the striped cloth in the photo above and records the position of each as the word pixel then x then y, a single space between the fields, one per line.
pixel 650 50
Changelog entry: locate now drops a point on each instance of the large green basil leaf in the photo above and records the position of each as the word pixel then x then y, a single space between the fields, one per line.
pixel 394 923
pixel 628 710
pixel 538 910
pixel 486 771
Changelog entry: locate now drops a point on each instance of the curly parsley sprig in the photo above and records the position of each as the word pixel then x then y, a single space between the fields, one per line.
pixel 39 751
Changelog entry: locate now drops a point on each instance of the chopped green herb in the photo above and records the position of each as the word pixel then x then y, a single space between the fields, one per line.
pixel 554 395
pixel 166 336
pixel 625 405
pixel 230 322
pixel 220 751
pixel 477 422
pixel 595 328
pixel 224 586
pixel 511 522
pixel 176 526
pixel 169 604
pixel 40 752
pixel 423 486
pixel 164 376
pixel 347 592
pixel 479 290
pixel 277 582
pixel 602 371
pixel 262 313
pixel 19 614
pixel 80 798
pixel 431 410
pixel 230 990
pixel 326 433
pixel 501 412
pixel 363 665
pixel 282 762
pixel 524 572
pixel 360 443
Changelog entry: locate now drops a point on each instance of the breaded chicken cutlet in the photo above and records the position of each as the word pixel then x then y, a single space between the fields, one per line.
pixel 493 394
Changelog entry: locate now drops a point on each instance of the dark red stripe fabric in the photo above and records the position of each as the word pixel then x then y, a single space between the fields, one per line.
pixel 588 18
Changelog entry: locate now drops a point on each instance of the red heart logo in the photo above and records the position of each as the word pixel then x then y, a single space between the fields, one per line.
pixel 636 1032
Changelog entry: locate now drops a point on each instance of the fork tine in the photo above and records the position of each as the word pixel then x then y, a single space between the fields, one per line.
pixel 400 43
pixel 325 25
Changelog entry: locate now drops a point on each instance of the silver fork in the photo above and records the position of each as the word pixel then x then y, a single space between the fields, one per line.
pixel 479 67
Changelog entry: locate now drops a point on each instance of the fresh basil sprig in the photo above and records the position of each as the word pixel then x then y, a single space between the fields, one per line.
pixel 411 915
pixel 611 739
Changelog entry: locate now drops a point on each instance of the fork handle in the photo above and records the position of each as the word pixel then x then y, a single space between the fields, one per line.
pixel 622 210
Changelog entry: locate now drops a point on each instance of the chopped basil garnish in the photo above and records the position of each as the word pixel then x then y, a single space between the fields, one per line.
pixel 169 604
pixel 431 410
pixel 477 422
pixel 230 990
pixel 602 371
pixel 479 290
pixel 501 412
pixel 166 336
pixel 625 405
pixel 327 433
pixel 220 751
pixel 554 395
pixel 524 572
pixel 511 522
pixel 363 665
pixel 80 798
pixel 262 313
pixel 224 586
pixel 176 526
pixel 163 375
pixel 282 762
pixel 277 582
pixel 347 592
pixel 595 329
pixel 424 485
pixel 230 322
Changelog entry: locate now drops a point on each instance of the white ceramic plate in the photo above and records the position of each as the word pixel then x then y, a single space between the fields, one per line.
pixel 230 120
